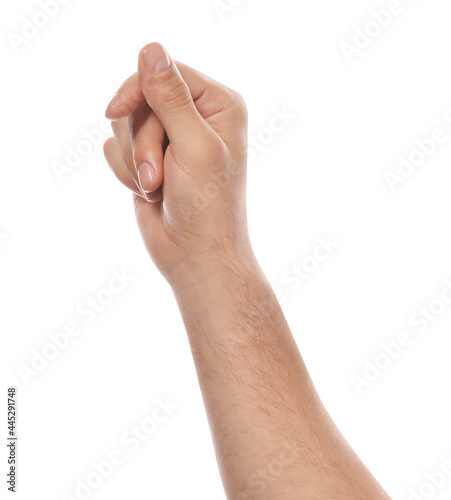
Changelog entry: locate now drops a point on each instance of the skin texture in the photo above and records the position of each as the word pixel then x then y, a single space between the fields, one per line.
pixel 272 436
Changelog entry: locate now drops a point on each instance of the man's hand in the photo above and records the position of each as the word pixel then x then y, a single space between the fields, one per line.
pixel 181 143
pixel 273 437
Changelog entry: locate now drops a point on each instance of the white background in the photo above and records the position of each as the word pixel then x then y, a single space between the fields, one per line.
pixel 322 176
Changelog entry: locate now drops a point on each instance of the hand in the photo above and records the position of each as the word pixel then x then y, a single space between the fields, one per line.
pixel 181 146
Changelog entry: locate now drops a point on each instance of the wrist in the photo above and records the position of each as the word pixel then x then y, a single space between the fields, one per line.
pixel 211 270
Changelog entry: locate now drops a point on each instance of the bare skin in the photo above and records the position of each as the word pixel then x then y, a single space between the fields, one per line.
pixel 272 436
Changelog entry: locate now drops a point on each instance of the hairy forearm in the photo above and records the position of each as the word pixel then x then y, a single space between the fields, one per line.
pixel 272 435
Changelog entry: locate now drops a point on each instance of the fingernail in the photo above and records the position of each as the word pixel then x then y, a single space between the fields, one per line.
pixel 146 174
pixel 156 58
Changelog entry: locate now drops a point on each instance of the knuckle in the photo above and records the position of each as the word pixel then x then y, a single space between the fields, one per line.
pixel 175 94
pixel 109 146
pixel 237 104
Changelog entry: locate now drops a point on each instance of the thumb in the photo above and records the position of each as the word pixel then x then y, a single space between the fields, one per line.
pixel 169 96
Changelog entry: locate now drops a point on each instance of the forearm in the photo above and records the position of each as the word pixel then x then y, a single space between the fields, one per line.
pixel 272 436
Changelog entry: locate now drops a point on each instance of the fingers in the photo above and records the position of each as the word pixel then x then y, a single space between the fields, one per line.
pixel 121 130
pixel 117 164
pixel 126 100
pixel 218 105
pixel 144 153
pixel 147 139
pixel 130 96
